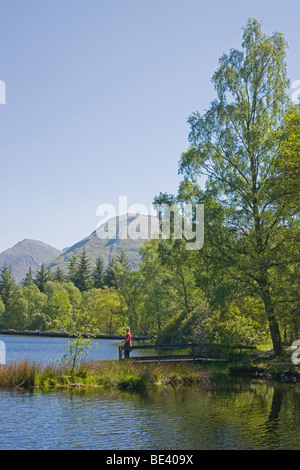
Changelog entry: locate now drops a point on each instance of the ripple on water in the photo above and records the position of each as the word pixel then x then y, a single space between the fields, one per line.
pixel 224 417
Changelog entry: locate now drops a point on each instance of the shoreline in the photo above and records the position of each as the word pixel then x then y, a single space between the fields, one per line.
pixel 57 334
pixel 267 367
pixel 263 366
pixel 133 376
pixel 102 375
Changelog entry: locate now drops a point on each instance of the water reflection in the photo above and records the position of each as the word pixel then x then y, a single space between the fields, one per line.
pixel 272 424
pixel 279 431
pixel 229 414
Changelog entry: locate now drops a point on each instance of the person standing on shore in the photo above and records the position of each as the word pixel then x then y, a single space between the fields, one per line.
pixel 127 343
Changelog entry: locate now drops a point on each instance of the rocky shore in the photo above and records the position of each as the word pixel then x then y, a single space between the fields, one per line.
pixel 266 366
pixel 291 375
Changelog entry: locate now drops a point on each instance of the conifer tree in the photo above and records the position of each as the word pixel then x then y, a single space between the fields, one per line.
pixel 98 273
pixel 110 275
pixel 72 267
pixel 42 276
pixel 28 279
pixel 7 283
pixel 58 275
pixel 83 272
pixel 122 259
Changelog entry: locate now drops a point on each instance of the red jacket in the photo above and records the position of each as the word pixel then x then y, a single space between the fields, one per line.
pixel 128 338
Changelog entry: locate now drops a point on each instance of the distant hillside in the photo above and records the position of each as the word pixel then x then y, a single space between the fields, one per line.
pixel 107 248
pixel 25 254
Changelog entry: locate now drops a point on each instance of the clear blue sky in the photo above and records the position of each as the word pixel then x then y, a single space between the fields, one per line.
pixel 98 93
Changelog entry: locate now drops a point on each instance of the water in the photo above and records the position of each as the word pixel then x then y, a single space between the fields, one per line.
pixel 230 413
pixel 240 415
pixel 49 350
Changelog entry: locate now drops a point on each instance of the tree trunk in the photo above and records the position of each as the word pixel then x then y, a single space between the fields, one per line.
pixel 263 282
pixel 272 318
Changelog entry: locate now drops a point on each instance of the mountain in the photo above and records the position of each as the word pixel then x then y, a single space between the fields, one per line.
pixel 25 254
pixel 33 253
pixel 109 247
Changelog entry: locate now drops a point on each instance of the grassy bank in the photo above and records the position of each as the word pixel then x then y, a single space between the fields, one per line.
pixel 106 375
pixel 134 376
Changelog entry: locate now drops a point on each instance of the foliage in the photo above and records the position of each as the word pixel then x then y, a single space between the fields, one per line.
pixel 235 329
pixel 243 286
pixel 286 171
pixel 234 145
pixel 41 278
pixel 81 324
pixel 25 309
pixel 108 309
pixel 97 276
pixel 7 284
pixel 28 279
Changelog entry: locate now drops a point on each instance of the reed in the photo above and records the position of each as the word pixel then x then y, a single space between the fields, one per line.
pixel 107 375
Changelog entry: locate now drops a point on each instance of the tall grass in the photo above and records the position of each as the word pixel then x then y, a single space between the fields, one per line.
pixel 101 374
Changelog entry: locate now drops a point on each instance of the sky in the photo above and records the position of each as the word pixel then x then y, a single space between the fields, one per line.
pixel 98 93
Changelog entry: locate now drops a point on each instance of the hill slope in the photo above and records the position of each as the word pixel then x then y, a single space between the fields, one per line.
pixel 108 248
pixel 25 254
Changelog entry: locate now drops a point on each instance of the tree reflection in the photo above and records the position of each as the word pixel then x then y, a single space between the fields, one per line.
pixel 271 435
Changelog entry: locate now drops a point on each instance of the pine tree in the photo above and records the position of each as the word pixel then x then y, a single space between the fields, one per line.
pixel 42 277
pixel 28 279
pixel 122 259
pixel 98 273
pixel 117 267
pixel 58 275
pixel 83 272
pixel 7 283
pixel 110 274
pixel 72 267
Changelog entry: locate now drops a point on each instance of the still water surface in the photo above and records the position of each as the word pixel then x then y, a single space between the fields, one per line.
pixel 42 349
pixel 230 413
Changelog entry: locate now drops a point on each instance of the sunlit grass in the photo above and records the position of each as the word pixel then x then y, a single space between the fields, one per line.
pixel 106 375
pixel 265 346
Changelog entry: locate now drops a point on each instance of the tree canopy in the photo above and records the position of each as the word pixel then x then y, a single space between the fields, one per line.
pixel 243 286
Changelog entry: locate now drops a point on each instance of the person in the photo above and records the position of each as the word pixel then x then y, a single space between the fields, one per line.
pixel 127 343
